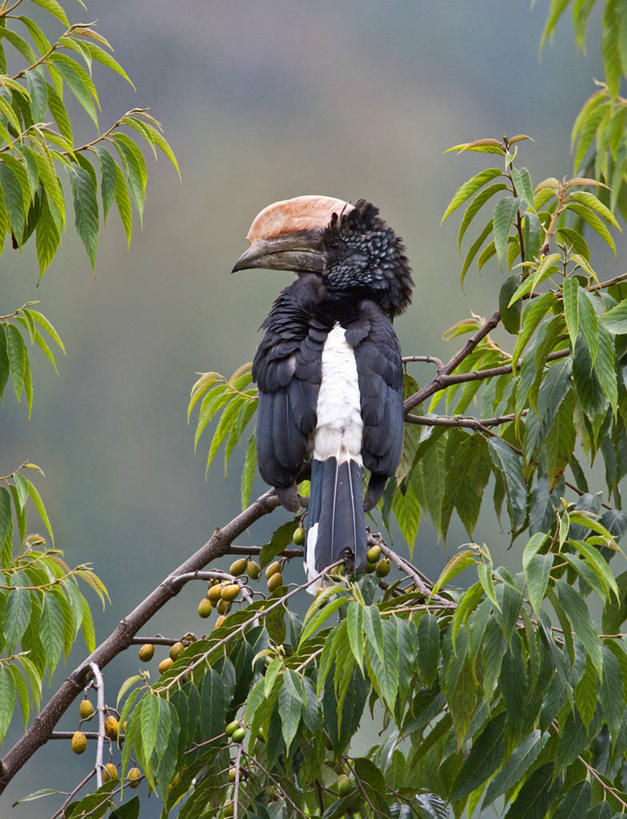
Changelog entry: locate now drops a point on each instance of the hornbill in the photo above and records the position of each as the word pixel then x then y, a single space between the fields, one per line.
pixel 329 367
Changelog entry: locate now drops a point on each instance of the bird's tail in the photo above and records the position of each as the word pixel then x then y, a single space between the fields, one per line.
pixel 335 520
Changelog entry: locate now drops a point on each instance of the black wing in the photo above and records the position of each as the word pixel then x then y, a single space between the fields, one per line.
pixel 380 373
pixel 288 371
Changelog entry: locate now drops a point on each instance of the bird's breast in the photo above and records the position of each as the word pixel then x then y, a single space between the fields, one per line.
pixel 339 428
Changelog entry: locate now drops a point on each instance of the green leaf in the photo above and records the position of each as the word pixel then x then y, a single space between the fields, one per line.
pixel 595 223
pixel 406 510
pixel 108 179
pixel 79 82
pixel 604 367
pixel 467 473
pixel 290 706
pixel 588 323
pixel 59 112
pixel 51 630
pixel 575 804
pixel 466 190
pixel 546 268
pixel 532 315
pixel 85 210
pixel 594 203
pixel 583 626
pixel 149 716
pixel 509 464
pixel 18 358
pixel 538 574
pixel 612 697
pixel 521 760
pixel 39 506
pixel 474 207
pixel 135 167
pixel 17 611
pixel 484 758
pixel 460 561
pixel 570 288
pixel 55 9
pixel 248 472
pixel 7 699
pixel 502 221
pixel 281 539
pixel 102 56
pixel 510 316
pixel 428 655
pixel 14 185
pixel 615 320
pixel 123 202
pixel 474 249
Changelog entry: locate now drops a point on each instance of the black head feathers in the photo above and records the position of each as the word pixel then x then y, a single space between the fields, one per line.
pixel 366 258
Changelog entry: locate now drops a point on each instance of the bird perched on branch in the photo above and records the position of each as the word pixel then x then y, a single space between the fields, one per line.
pixel 329 367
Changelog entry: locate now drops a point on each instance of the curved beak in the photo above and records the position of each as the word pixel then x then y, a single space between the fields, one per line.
pixel 299 252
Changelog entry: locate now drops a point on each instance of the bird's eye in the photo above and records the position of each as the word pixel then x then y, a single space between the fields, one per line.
pixel 336 245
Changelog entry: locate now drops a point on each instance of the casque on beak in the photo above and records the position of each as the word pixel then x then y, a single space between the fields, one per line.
pixel 300 252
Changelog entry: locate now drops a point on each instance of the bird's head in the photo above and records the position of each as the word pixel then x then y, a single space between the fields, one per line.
pixel 349 246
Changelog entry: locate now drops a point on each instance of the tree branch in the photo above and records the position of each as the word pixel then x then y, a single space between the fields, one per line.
pixel 459 420
pixel 41 729
pixel 438 382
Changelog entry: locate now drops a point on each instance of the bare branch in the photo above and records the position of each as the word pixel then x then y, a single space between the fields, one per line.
pixel 41 729
pixel 99 684
pixel 459 420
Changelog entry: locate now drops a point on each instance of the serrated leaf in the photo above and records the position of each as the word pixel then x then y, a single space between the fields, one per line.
pixel 123 201
pixel 135 167
pixel 595 223
pixel 248 472
pixel 484 758
pixel 79 82
pixel 51 631
pixel 510 466
pixel 86 217
pixel 39 506
pixel 460 561
pixel 521 760
pixel 474 207
pixel 290 708
pixel 54 8
pixel 428 655
pixel 615 320
pixel 466 190
pixel 502 221
pixel 538 574
pixel 7 699
pixel 474 249
pixel 18 358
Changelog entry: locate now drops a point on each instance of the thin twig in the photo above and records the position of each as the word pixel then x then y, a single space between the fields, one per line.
pixel 460 420
pixel 256 762
pixel 70 796
pixel 100 707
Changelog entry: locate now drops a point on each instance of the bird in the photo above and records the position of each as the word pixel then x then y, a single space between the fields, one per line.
pixel 329 370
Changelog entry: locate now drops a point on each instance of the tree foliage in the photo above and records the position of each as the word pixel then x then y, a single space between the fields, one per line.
pixel 489 687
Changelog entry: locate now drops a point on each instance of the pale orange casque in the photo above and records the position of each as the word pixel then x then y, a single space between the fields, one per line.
pixel 309 212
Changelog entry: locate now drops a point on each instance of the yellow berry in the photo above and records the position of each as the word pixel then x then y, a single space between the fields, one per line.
pixel 79 742
pixel 214 593
pixel 176 650
pixel 204 608
pixel 383 567
pixel 134 775
pixel 299 536
pixel 274 581
pixel 253 569
pixel 238 567
pixel 112 727
pixel 373 553
pixel 230 592
pixel 146 652
pixel 232 774
pixel 165 664
pixel 110 772
pixel 223 606
pixel 85 709
pixel 273 568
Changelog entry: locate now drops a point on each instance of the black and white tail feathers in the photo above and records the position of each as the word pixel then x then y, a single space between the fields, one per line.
pixel 336 525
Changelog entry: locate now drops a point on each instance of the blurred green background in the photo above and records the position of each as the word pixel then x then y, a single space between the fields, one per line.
pixel 261 101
